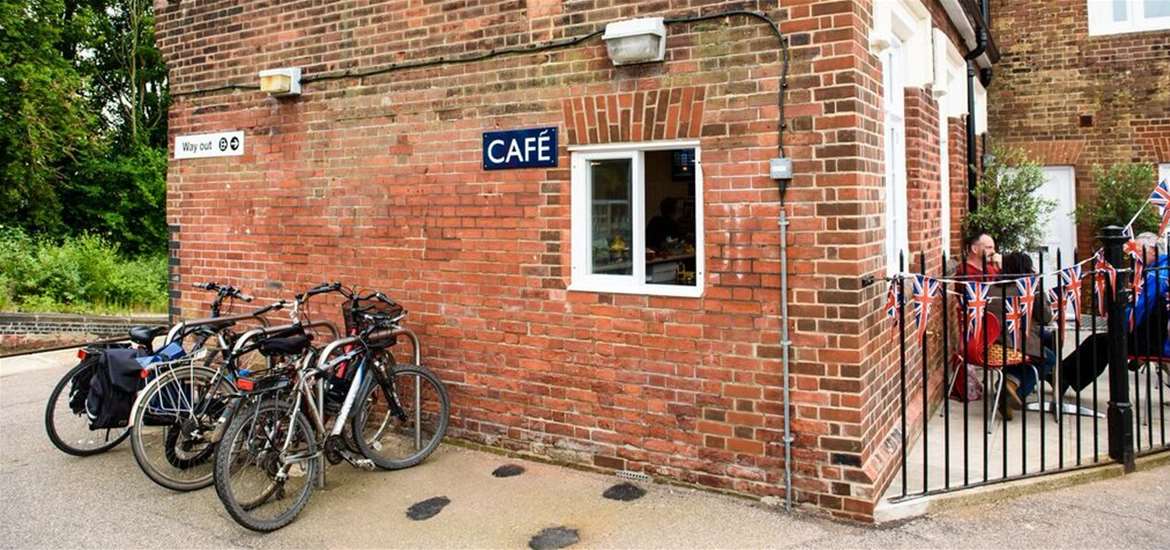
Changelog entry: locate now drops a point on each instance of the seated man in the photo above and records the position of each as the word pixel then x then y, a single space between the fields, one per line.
pixel 980 255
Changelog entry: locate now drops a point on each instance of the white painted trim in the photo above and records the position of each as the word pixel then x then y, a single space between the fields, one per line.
pixel 966 29
pixel 581 218
pixel 980 108
pixel 894 157
pixel 944 167
pixel 657 145
pixel 907 22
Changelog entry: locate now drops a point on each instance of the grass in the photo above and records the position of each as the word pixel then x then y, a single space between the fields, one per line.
pixel 82 274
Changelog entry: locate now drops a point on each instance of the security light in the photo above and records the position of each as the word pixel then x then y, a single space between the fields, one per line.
pixel 285 81
pixel 635 41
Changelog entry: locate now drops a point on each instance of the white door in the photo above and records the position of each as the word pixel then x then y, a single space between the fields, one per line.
pixel 1060 232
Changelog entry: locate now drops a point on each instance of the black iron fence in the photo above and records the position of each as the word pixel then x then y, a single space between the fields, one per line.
pixel 1026 367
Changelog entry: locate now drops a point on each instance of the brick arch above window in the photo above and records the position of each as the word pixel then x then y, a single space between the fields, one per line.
pixel 663 114
pixel 1064 152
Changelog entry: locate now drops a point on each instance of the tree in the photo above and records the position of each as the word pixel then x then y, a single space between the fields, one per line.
pixel 83 106
pixel 44 124
pixel 1009 209
pixel 128 80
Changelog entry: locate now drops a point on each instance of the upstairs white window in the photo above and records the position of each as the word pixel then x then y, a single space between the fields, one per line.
pixel 637 219
pixel 1122 16
pixel 1164 172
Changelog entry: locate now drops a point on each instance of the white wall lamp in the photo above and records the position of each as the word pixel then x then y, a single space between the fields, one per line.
pixel 636 41
pixel 282 82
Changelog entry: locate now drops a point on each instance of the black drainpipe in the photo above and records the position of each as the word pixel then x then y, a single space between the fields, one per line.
pixel 972 173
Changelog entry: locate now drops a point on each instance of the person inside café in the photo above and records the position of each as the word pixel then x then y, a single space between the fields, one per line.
pixel 665 225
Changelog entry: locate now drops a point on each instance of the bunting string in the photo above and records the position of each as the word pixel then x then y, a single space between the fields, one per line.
pixel 1062 300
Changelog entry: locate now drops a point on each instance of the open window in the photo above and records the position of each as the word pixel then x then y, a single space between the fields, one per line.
pixel 637 218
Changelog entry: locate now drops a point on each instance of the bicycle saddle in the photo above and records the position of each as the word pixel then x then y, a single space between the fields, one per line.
pixel 289 345
pixel 143 335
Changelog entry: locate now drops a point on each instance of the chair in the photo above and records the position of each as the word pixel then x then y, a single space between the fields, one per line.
pixel 994 361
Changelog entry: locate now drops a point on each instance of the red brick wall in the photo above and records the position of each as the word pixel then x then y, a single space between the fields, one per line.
pixel 376 181
pixel 1053 73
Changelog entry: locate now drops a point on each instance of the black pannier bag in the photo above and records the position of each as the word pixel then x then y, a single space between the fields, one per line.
pixel 79 386
pixel 112 388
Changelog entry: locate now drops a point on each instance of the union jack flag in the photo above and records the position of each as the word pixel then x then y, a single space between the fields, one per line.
pixel 1015 321
pixel 1056 306
pixel 1138 252
pixel 1071 277
pixel 1027 290
pixel 925 290
pixel 1105 272
pixel 893 296
pixel 1160 198
pixel 976 300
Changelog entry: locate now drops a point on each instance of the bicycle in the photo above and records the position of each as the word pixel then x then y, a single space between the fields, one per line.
pixel 179 417
pixel 270 456
pixel 66 420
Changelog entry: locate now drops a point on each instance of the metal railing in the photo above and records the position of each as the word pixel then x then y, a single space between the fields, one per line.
pixel 1079 330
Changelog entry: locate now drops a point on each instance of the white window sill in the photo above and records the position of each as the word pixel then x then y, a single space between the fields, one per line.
pixel 677 291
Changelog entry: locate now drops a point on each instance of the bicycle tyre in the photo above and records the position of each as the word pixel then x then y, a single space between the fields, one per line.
pixel 51 424
pixel 241 512
pixel 137 445
pixel 365 397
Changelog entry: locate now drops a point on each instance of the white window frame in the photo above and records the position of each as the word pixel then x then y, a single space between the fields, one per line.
pixel 582 278
pixel 1101 18
pixel 1164 172
pixel 894 142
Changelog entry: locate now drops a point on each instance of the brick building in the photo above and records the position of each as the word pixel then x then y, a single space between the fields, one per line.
pixel 1082 83
pixel 557 332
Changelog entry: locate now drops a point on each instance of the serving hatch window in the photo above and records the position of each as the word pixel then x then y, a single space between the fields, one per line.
pixel 636 219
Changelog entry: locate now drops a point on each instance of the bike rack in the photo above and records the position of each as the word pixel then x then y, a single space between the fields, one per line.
pixel 391 333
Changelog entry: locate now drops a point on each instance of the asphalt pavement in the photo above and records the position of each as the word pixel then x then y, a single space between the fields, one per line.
pixel 52 500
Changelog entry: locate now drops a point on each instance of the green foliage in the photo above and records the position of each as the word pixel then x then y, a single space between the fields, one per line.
pixel 83 103
pixel 123 197
pixel 85 273
pixel 1122 189
pixel 44 123
pixel 1009 208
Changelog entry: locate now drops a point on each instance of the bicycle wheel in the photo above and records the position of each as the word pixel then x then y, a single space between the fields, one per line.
pixel 262 485
pixel 69 431
pixel 400 424
pixel 174 422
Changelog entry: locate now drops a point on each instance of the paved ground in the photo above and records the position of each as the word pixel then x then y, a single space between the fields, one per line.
pixel 48 499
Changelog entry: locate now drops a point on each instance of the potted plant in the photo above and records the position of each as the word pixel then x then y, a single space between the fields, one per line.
pixel 1122 189
pixel 1009 209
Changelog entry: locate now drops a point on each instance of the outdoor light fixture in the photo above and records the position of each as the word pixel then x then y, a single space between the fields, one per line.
pixel 636 40
pixel 285 81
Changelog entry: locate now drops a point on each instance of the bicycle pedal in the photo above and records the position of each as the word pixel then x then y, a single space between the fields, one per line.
pixel 364 464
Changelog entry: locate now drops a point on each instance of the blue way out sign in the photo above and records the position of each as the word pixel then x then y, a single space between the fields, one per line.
pixel 528 148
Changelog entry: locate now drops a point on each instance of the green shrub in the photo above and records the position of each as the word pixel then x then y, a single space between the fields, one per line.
pixel 1121 190
pixel 1009 210
pixel 77 274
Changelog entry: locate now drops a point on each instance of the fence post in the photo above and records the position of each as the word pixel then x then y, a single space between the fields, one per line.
pixel 1120 413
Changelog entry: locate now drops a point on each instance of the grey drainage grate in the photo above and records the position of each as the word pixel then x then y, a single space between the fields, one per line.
pixel 634 476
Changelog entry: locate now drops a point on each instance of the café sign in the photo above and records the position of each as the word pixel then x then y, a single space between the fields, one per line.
pixel 528 148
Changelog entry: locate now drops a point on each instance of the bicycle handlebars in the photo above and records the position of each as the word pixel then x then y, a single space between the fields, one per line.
pixel 224 290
